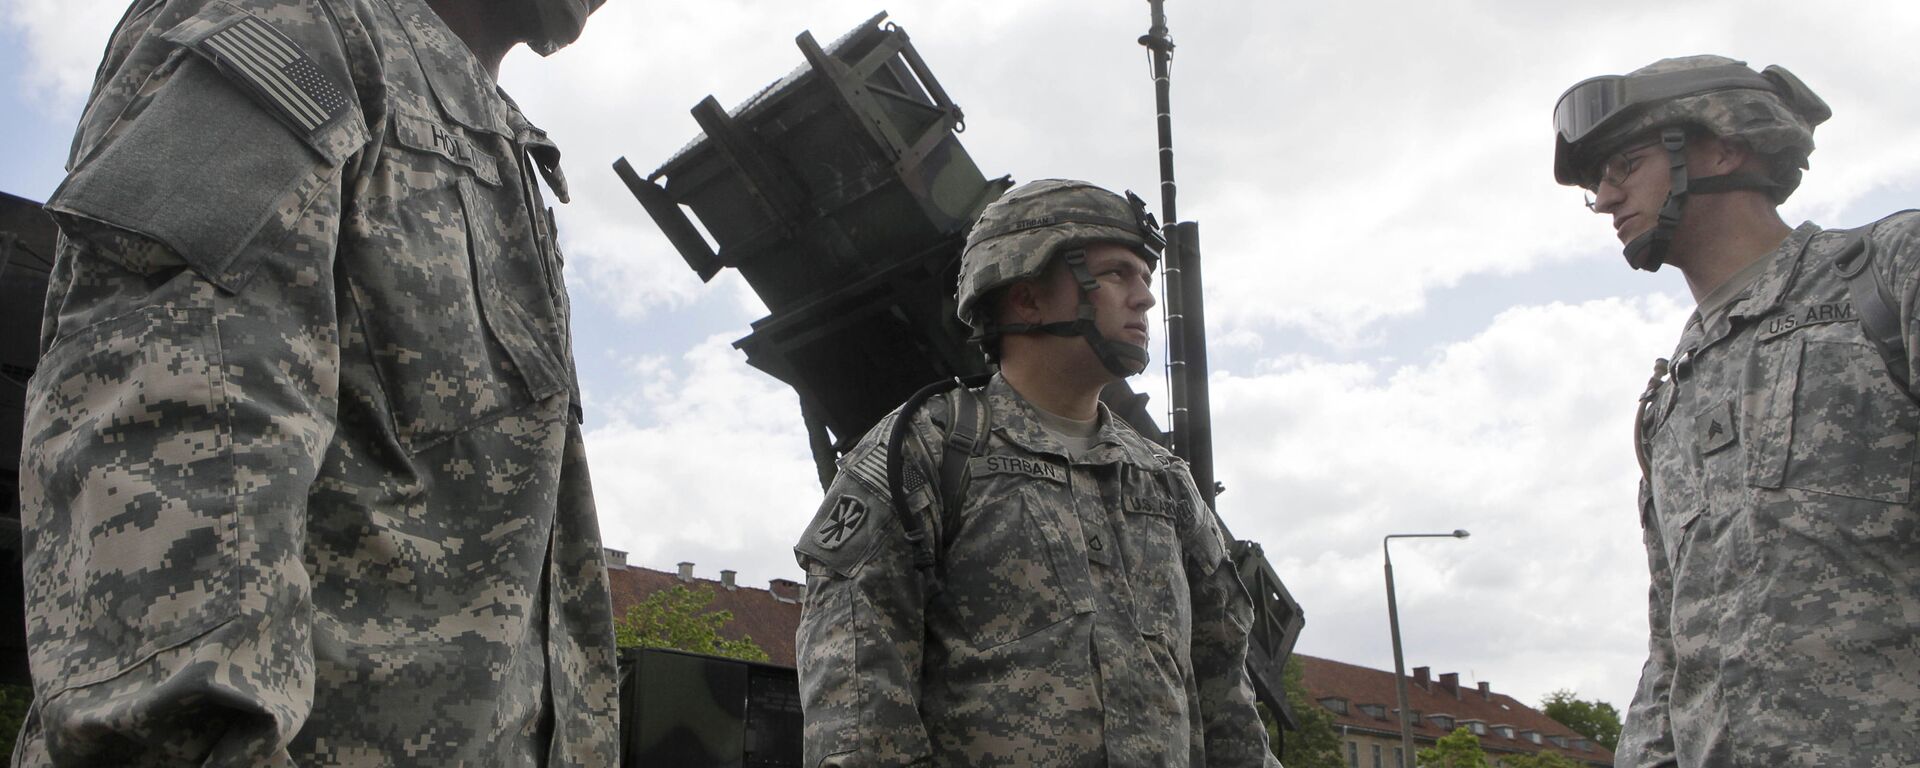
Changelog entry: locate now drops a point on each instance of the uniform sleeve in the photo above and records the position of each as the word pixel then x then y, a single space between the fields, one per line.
pixel 861 643
pixel 1646 740
pixel 1896 243
pixel 1222 617
pixel 184 401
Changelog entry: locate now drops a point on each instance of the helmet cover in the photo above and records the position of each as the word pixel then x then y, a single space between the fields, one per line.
pixel 1777 122
pixel 1018 235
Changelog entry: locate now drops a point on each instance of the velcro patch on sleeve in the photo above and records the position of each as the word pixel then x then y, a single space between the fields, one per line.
pixel 278 73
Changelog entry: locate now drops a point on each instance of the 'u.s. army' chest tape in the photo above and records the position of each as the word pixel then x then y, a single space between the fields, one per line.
pixel 1873 304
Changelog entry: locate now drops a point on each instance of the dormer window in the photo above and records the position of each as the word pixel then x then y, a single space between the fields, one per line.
pixel 1558 741
pixel 1477 727
pixel 1375 711
pixel 1335 704
pixel 1443 722
pixel 1506 731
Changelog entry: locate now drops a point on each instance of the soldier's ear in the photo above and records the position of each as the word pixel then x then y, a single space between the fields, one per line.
pixel 1020 302
pixel 1724 155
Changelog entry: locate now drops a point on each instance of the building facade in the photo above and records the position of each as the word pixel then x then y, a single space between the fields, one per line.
pixel 1366 715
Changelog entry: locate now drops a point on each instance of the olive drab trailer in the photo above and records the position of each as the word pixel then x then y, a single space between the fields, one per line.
pixel 689 710
pixel 842 194
pixel 27 236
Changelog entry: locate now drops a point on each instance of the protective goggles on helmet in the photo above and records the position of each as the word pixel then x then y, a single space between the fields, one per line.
pixel 1593 103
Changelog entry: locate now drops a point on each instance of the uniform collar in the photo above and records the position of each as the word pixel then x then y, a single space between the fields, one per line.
pixel 1766 290
pixel 1772 284
pixel 1017 421
pixel 469 96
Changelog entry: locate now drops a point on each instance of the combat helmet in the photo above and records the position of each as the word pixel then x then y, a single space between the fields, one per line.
pixel 1770 111
pixel 1018 235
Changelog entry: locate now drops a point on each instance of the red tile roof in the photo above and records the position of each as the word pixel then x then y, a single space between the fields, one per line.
pixel 757 613
pixel 1325 678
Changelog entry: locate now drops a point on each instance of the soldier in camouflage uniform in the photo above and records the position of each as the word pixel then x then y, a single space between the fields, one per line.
pixel 1778 507
pixel 1078 607
pixel 303 481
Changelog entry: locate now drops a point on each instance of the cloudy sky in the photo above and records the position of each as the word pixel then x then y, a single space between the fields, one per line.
pixel 1413 330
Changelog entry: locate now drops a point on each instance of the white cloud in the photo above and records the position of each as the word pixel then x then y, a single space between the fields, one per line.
pixel 1520 435
pixel 702 459
pixel 1347 162
pixel 62 42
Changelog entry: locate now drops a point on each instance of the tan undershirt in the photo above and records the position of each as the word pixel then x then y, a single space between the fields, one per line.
pixel 1075 435
pixel 1716 303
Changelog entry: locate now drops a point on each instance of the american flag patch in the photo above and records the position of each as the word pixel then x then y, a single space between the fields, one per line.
pixel 269 63
pixel 870 468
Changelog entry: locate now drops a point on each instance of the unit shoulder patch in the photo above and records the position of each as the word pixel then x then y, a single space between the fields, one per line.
pixel 847 516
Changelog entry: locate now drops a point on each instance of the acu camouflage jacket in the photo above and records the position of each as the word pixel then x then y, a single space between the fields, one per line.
pixel 1085 612
pixel 303 480
pixel 1782 528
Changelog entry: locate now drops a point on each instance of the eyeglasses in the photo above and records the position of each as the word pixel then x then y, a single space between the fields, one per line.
pixel 1618 168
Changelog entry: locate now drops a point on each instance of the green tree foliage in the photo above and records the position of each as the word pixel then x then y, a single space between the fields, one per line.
pixel 1315 745
pixel 678 618
pixel 14 701
pixel 1595 720
pixel 1460 749
pixel 1537 760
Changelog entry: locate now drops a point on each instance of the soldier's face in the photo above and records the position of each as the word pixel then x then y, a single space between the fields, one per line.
pixel 1125 293
pixel 1633 186
pixel 1121 302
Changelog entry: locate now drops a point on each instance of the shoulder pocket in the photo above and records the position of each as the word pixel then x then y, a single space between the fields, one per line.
pixel 204 169
pixel 279 74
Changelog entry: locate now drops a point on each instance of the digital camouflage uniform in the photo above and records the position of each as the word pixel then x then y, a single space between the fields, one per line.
pixel 1085 613
pixel 1783 527
pixel 304 483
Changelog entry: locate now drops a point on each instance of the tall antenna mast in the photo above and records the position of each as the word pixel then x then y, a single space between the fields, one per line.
pixel 1180 274
pixel 1160 46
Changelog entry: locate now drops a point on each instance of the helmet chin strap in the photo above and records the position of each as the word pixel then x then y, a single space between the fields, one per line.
pixel 1649 250
pixel 1118 357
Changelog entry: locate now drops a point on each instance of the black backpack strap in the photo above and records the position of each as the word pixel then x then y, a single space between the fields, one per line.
pixel 1874 304
pixel 966 437
pixel 965 440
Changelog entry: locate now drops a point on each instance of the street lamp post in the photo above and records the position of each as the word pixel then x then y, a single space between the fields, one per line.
pixel 1399 661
